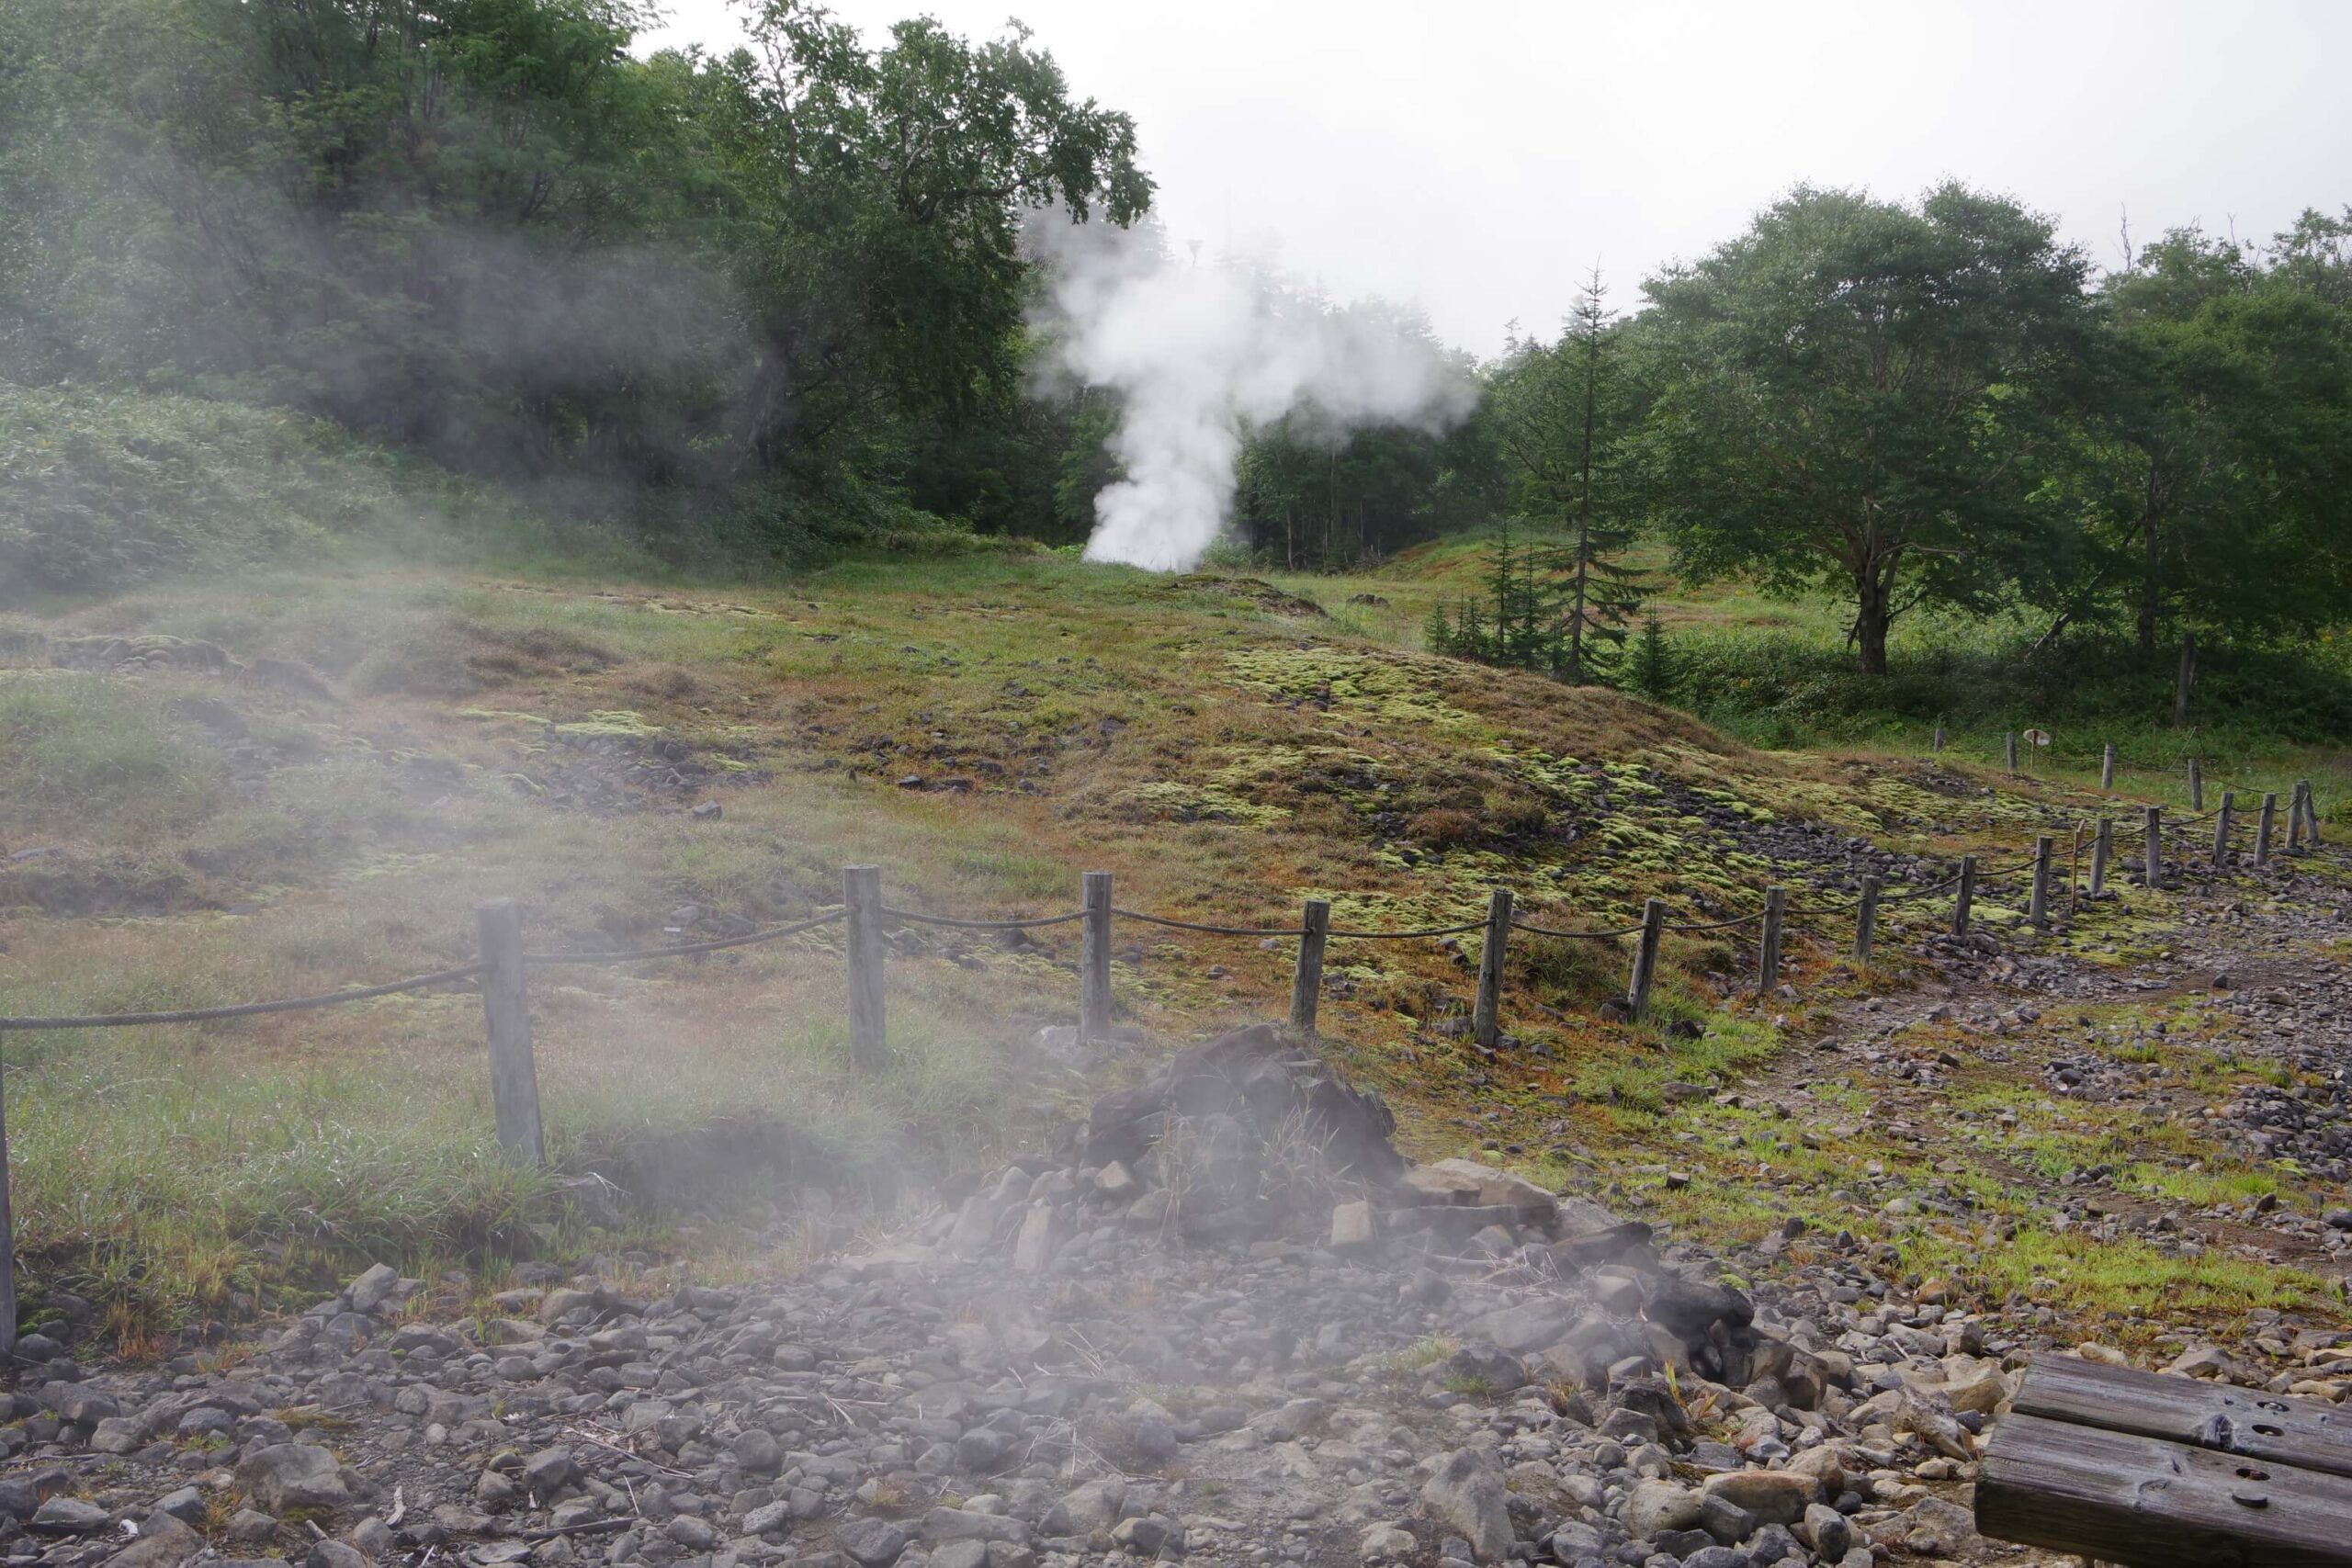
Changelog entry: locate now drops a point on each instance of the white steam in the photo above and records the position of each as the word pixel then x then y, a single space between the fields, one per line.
pixel 1200 354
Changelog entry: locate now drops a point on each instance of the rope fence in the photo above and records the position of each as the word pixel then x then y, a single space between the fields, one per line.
pixel 246 1009
pixel 502 965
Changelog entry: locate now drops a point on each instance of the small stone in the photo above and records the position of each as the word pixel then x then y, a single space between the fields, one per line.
pixel 1040 1238
pixel 874 1543
pixel 334 1554
pixel 1352 1227
pixel 1774 1496
pixel 550 1469
pixel 250 1527
pixel 1826 1529
pixel 71 1516
pixel 292 1475
pixel 1724 1520
pixel 692 1533
pixel 165 1542
pixel 1655 1505
pixel 560 1303
pixel 1387 1543
pixel 119 1435
pixel 757 1451
pixel 1466 1495
pixel 373 1288
pixel 1144 1537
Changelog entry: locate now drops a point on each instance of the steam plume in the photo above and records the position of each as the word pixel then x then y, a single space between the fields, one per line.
pixel 1199 354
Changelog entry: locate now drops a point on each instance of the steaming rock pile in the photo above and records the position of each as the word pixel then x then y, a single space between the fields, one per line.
pixel 1231 1325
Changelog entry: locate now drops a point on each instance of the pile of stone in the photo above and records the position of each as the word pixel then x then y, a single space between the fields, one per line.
pixel 1435 1364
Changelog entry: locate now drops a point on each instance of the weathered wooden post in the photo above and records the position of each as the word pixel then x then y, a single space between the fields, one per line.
pixel 2107 768
pixel 7 1235
pixel 2295 820
pixel 2102 850
pixel 2266 825
pixel 506 1014
pixel 2155 853
pixel 1094 956
pixel 2310 812
pixel 2038 905
pixel 1485 1017
pixel 1767 958
pixel 1307 983
pixel 2221 827
pixel 1645 956
pixel 869 1043
pixel 1939 739
pixel 1866 922
pixel 2013 752
pixel 1965 897
pixel 2196 786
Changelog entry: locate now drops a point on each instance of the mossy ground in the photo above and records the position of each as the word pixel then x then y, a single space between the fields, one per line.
pixel 984 729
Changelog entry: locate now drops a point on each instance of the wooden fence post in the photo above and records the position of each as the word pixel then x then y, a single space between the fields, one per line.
pixel 2295 820
pixel 1866 922
pixel 2155 852
pixel 2107 768
pixel 2196 786
pixel 2221 827
pixel 1768 960
pixel 2310 812
pixel 1486 1017
pixel 2038 906
pixel 7 1235
pixel 1939 737
pixel 506 1013
pixel 1307 983
pixel 869 1043
pixel 2266 825
pixel 1965 897
pixel 2102 848
pixel 1094 957
pixel 1645 956
pixel 2013 752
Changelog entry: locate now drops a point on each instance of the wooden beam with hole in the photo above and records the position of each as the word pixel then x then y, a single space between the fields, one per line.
pixel 2300 1432
pixel 2127 1466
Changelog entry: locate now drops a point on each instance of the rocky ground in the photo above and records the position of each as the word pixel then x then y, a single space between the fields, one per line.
pixel 1225 1322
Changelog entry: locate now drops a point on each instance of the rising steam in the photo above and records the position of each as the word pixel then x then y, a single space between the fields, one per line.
pixel 1200 354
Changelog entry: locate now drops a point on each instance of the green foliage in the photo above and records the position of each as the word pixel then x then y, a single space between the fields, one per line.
pixel 2213 471
pixel 1563 414
pixel 1780 689
pixel 1851 393
pixel 782 288
pixel 82 750
pixel 1314 496
pixel 1651 668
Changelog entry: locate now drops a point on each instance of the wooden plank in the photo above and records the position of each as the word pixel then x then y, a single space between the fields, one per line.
pixel 1645 957
pixel 1306 980
pixel 1485 1012
pixel 8 1238
pixel 2306 1433
pixel 1094 956
pixel 2117 1497
pixel 1768 957
pixel 869 1042
pixel 506 1016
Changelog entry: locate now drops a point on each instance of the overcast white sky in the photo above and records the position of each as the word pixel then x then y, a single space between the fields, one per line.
pixel 1478 156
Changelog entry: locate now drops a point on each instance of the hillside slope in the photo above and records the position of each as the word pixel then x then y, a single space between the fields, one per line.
pixel 183 823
